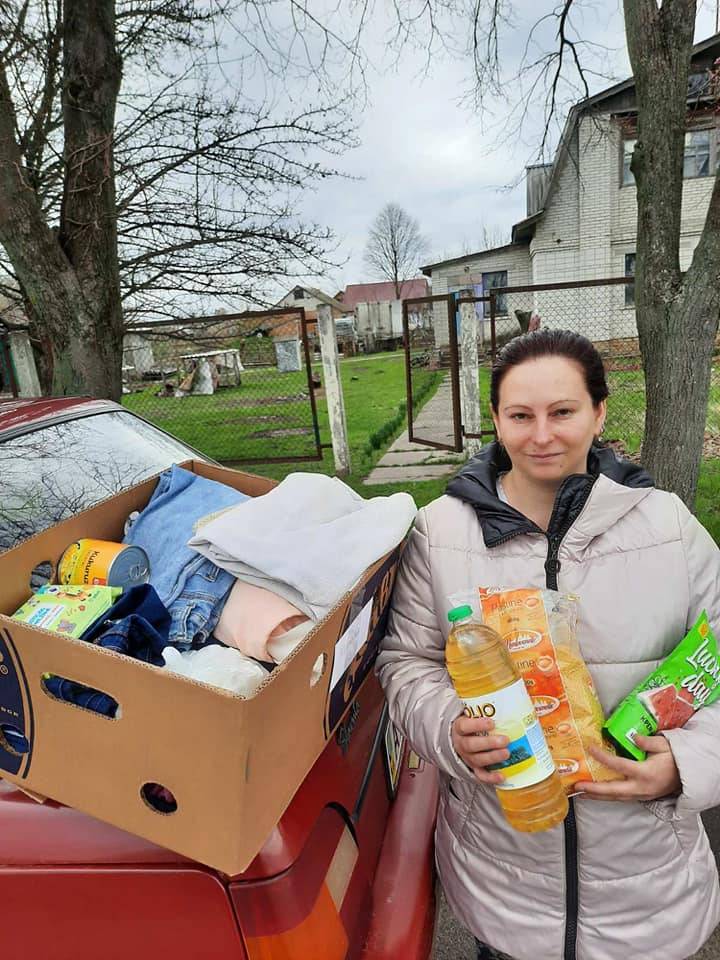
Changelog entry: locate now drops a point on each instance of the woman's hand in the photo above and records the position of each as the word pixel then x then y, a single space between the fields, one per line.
pixel 643 779
pixel 478 749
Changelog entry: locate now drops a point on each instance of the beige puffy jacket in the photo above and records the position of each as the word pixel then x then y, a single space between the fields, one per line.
pixel 623 880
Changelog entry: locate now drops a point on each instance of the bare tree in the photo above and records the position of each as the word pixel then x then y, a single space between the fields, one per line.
pixel 677 315
pixel 395 246
pixel 143 176
pixel 488 238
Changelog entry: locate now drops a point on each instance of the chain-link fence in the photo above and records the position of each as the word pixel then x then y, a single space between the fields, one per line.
pixel 431 362
pixel 602 310
pixel 237 387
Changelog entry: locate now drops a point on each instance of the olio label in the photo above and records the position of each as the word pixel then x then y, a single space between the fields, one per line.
pixel 512 712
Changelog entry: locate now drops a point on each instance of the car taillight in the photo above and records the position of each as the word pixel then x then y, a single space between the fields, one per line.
pixel 307 912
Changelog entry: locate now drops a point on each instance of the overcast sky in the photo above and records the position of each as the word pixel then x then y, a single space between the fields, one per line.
pixel 422 148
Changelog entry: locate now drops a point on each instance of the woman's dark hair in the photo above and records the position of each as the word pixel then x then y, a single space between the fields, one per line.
pixel 551 343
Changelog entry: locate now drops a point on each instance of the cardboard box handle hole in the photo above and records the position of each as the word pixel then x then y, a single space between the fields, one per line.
pixel 13 740
pixel 78 695
pixel 318 669
pixel 158 798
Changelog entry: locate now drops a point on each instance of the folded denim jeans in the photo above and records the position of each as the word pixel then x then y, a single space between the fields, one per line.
pixel 192 587
pixel 138 625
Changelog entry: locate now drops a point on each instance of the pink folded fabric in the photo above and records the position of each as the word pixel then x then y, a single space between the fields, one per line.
pixel 252 617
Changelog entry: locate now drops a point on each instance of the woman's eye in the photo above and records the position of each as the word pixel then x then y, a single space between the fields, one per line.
pixel 564 412
pixel 518 416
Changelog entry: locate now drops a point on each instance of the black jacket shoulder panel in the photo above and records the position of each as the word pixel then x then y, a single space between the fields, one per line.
pixel 476 484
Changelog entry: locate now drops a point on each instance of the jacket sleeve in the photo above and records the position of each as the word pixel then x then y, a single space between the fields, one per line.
pixel 411 663
pixel 696 746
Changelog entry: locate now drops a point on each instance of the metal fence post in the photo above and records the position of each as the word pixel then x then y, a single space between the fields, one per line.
pixel 333 390
pixel 469 383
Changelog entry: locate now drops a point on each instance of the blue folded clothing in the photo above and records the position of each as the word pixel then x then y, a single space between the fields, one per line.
pixel 192 587
pixel 138 626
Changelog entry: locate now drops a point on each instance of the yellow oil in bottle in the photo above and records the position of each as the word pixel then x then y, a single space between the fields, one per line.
pixel 531 796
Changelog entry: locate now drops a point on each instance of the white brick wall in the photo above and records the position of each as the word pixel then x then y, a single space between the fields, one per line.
pixel 453 276
pixel 590 223
pixel 514 259
pixel 588 226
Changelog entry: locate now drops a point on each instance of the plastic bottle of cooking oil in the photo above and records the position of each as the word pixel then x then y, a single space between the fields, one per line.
pixel 531 796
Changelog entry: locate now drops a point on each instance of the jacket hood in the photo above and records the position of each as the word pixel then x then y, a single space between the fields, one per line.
pixel 476 484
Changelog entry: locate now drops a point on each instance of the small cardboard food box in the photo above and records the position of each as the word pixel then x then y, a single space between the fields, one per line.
pixel 232 764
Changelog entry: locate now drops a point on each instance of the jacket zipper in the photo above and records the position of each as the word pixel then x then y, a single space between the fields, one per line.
pixel 571 883
pixel 552 568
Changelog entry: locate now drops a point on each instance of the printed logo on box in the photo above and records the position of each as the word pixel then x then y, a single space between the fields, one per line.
pixel 16 735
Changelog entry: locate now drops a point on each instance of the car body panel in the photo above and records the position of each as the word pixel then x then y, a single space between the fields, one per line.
pixel 35 413
pixel 402 919
pixel 116 914
pixel 327 884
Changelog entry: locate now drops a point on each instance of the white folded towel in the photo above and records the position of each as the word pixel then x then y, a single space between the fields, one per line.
pixel 309 539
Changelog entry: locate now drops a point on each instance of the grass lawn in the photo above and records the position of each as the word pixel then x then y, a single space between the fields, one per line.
pixel 626 407
pixel 270 410
pixel 707 505
pixel 236 423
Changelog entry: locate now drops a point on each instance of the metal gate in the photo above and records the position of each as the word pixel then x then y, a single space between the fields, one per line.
pixel 260 404
pixel 431 366
pixel 602 310
pixel 430 336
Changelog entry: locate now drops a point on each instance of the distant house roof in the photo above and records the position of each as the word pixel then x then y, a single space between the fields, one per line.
pixel 428 269
pixel 325 298
pixel 383 292
pixel 312 293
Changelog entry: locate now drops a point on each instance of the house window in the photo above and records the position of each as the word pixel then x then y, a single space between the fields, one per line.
pixel 627 177
pixel 699 157
pixel 492 280
pixel 299 293
pixel 696 159
pixel 629 272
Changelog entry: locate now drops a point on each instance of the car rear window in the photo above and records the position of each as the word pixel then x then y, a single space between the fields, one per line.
pixel 52 473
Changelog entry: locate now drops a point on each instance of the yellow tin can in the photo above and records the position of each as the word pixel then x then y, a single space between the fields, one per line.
pixel 104 563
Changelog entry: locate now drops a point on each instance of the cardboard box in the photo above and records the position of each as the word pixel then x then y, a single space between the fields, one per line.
pixel 233 765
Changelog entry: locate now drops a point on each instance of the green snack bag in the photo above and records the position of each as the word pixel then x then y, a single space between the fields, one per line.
pixel 67 609
pixel 687 679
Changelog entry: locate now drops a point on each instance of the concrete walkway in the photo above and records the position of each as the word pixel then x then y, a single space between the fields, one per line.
pixel 406 461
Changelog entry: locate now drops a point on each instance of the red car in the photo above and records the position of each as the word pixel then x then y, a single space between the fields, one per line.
pixel 348 870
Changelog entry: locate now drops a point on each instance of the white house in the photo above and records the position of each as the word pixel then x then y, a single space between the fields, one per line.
pixel 379 311
pixel 581 221
pixel 286 336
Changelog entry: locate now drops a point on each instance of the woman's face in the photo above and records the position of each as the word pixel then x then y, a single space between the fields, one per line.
pixel 546 419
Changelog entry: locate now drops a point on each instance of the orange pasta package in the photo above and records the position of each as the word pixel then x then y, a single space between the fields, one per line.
pixel 540 630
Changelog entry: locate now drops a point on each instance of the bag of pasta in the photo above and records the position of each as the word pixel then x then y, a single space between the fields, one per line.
pixel 539 629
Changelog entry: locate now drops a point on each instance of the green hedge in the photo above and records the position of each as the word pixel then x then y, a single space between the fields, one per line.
pixel 391 427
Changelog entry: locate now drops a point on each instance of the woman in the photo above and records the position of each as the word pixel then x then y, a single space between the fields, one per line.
pixel 630 873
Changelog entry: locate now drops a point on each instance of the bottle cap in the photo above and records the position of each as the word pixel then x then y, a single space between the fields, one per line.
pixel 459 613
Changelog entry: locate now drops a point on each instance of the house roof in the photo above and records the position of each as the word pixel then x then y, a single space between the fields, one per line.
pixel 313 293
pixel 524 229
pixel 383 292
pixel 428 269
pixel 326 298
